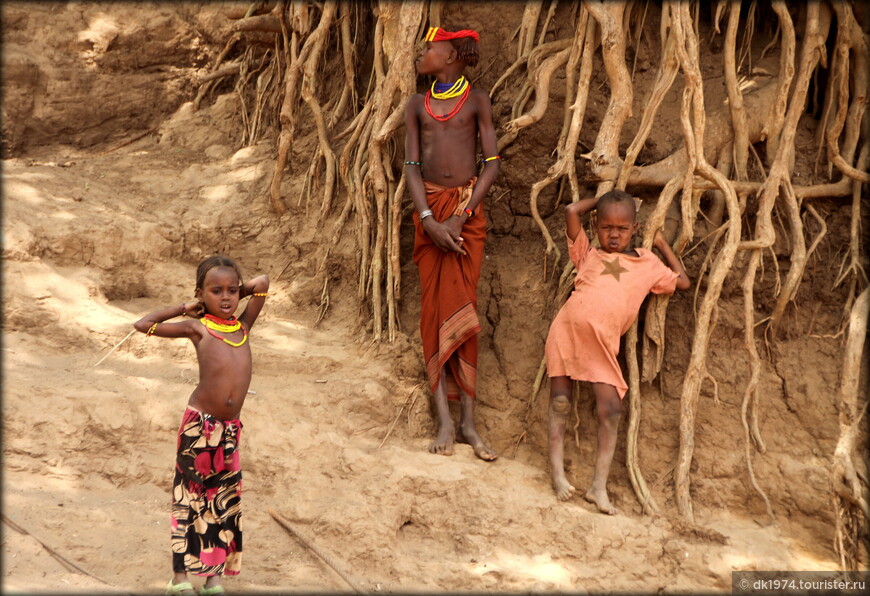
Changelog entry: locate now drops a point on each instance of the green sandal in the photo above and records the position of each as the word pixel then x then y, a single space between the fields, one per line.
pixel 211 591
pixel 176 589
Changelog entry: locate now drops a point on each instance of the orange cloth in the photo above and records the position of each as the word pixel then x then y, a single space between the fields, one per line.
pixel 608 291
pixel 448 292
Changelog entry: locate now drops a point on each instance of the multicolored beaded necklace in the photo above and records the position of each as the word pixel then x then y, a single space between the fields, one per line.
pixel 213 323
pixel 449 90
pixel 460 89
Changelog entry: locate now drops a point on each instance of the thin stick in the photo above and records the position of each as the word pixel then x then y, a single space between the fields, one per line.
pixel 517 445
pixel 116 347
pixel 132 139
pixel 396 419
pixel 59 557
pixel 314 548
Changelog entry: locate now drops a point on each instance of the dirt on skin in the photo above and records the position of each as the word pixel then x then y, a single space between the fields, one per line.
pixel 97 232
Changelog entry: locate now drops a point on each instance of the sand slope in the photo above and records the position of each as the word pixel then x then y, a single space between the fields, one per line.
pixel 88 449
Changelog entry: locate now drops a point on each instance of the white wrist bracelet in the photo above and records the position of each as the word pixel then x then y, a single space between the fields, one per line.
pixel 425 213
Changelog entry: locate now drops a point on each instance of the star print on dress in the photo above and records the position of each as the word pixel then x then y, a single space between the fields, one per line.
pixel 613 268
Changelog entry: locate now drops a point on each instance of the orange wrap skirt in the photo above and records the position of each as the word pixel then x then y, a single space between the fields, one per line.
pixel 448 293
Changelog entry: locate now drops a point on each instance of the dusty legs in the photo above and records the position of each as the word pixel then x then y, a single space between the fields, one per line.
pixel 609 408
pixel 443 443
pixel 560 407
pixel 468 432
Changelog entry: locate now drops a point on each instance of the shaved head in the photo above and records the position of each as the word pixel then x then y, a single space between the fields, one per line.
pixel 617 198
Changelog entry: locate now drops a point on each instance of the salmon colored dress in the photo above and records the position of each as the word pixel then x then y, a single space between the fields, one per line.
pixel 608 291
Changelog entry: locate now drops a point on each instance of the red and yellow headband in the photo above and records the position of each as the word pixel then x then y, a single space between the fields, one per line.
pixel 439 34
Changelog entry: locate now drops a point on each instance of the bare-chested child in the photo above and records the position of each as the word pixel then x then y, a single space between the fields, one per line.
pixel 442 128
pixel 206 492
pixel 611 284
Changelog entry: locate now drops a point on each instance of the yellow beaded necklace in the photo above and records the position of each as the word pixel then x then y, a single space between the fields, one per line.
pixel 213 323
pixel 454 90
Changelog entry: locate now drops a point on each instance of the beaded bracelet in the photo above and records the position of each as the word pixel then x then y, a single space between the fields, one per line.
pixel 413 163
pixel 469 212
pixel 493 158
pixel 150 331
pixel 260 294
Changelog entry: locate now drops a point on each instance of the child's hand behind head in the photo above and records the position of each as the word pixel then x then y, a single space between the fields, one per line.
pixel 195 309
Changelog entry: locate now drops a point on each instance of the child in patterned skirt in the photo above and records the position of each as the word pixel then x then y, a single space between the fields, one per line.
pixel 206 492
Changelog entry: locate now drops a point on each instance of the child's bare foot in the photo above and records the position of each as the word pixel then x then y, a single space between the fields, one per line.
pixel 443 443
pixel 481 450
pixel 564 489
pixel 600 500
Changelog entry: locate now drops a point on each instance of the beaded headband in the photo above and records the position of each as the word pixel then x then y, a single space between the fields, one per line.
pixel 439 34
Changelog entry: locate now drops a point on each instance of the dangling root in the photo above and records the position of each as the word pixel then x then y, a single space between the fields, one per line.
pixel 687 51
pixel 855 255
pixel 604 157
pixel 565 164
pixel 641 490
pixel 740 145
pixel 850 495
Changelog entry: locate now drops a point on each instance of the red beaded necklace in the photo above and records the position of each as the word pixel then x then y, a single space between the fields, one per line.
pixel 231 322
pixel 453 112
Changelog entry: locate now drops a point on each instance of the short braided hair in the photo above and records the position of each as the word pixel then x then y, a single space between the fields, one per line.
pixel 466 50
pixel 215 261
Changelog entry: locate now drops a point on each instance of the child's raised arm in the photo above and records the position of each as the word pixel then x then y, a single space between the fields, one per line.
pixel 255 288
pixel 154 323
pixel 574 215
pixel 672 261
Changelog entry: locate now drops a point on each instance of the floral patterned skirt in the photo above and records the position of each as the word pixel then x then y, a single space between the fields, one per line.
pixel 206 496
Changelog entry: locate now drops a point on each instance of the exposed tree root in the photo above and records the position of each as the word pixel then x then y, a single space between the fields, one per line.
pixel 740 144
pixel 665 78
pixel 565 164
pixel 776 115
pixel 295 61
pixel 850 494
pixel 401 24
pixel 604 157
pixel 855 255
pixel 693 119
pixel 631 451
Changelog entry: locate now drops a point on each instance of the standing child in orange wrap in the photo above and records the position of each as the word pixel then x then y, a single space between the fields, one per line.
pixel 611 284
pixel 442 173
